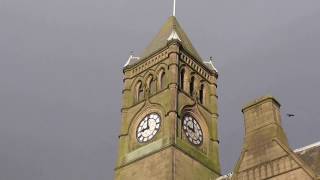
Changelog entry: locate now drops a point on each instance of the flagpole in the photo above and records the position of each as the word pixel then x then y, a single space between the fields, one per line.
pixel 174 7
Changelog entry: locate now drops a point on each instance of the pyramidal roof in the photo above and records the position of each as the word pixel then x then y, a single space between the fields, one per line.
pixel 170 30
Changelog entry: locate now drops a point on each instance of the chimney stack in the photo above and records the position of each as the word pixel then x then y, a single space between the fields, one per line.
pixel 263 122
pixel 266 153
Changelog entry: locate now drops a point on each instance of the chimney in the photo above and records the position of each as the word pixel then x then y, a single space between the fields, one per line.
pixel 263 122
pixel 266 153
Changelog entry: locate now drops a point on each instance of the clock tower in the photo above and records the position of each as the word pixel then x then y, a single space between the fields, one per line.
pixel 169 112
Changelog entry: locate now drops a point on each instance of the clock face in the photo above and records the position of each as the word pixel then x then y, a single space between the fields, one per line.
pixel 148 127
pixel 192 130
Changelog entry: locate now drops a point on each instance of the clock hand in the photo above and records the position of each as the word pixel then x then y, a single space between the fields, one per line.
pixel 148 126
pixel 191 128
pixel 144 127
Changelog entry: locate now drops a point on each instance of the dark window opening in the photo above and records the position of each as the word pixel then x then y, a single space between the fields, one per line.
pixel 201 93
pixel 162 86
pixel 192 86
pixel 182 79
pixel 140 93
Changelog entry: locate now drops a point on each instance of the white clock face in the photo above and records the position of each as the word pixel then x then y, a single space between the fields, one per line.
pixel 148 127
pixel 192 130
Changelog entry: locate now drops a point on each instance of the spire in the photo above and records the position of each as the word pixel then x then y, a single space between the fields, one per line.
pixel 171 30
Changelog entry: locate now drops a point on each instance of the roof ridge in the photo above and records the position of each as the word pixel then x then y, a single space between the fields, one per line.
pixel 316 144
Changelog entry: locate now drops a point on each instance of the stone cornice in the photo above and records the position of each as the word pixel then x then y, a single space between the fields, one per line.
pixel 260 101
pixel 188 59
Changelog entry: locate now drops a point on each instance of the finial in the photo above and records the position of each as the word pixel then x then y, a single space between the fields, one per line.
pixel 174 8
pixel 131 57
pixel 211 59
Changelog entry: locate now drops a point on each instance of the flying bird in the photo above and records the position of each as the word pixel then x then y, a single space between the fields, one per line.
pixel 290 115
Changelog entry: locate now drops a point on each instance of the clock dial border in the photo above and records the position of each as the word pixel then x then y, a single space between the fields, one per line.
pixel 195 124
pixel 156 130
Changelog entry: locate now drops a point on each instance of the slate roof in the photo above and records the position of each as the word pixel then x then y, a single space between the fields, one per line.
pixel 171 30
pixel 311 156
pixel 132 60
pixel 210 65
pixel 161 39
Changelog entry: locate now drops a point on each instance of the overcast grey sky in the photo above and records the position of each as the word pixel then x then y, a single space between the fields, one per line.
pixel 59 118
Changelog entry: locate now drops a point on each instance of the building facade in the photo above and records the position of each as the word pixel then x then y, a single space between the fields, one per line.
pixel 169 127
pixel 169 112
pixel 266 153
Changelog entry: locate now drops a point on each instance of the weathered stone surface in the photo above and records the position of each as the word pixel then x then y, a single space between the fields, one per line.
pixel 153 167
pixel 154 85
pixel 311 156
pixel 187 168
pixel 266 153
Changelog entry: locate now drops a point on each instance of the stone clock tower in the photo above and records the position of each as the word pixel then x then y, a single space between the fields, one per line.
pixel 169 112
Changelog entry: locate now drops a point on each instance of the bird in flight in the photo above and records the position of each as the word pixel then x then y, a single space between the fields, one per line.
pixel 290 115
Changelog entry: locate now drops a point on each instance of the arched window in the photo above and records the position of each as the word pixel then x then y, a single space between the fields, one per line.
pixel 139 92
pixel 201 93
pixel 151 84
pixel 192 86
pixel 161 79
pixel 182 78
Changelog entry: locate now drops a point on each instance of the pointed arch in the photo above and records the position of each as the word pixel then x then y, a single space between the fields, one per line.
pixel 151 84
pixel 161 79
pixel 139 95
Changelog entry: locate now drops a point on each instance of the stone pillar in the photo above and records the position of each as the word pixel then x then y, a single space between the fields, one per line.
pixel 173 87
pixel 127 101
